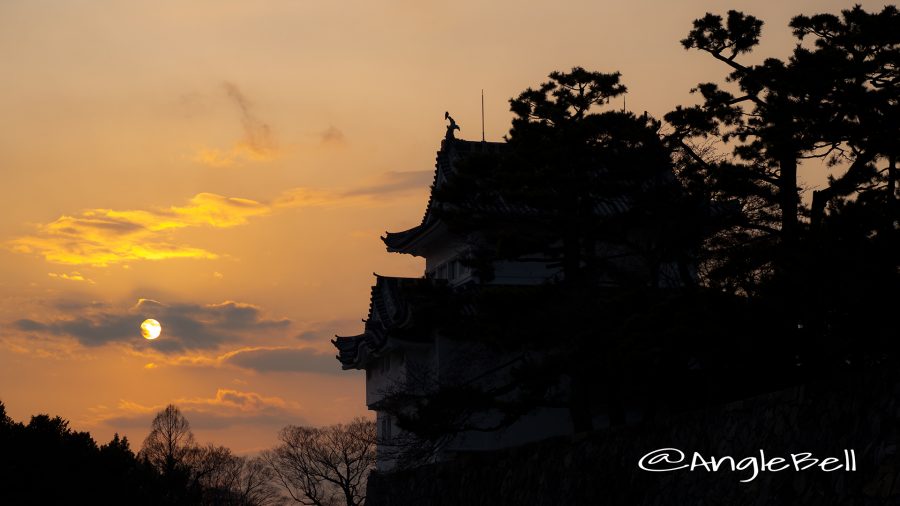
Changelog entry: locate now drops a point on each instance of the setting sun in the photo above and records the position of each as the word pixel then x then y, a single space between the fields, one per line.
pixel 150 329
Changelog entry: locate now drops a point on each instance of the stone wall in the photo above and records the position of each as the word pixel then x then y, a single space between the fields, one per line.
pixel 861 413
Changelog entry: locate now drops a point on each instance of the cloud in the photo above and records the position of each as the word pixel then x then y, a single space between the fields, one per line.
pixel 261 359
pixel 324 331
pixel 186 327
pixel 308 197
pixel 257 135
pixel 229 407
pixel 236 400
pixel 395 182
pixel 283 359
pixel 75 305
pixel 256 144
pixel 310 335
pixel 102 237
pixel 43 346
pixel 74 276
pixel 332 135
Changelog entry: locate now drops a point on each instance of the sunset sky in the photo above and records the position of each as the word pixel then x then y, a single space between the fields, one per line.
pixel 227 167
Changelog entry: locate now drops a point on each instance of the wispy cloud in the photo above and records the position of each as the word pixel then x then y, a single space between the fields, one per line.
pixel 260 359
pixel 227 408
pixel 393 182
pixel 74 276
pixel 309 197
pixel 324 331
pixel 103 237
pixel 283 359
pixel 41 346
pixel 332 135
pixel 256 144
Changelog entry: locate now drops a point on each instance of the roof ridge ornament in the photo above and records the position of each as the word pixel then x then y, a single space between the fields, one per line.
pixel 451 127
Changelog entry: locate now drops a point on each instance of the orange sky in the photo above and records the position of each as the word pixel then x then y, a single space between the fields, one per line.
pixel 227 167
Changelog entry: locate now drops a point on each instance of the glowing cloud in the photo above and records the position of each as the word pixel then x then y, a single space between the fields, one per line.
pixel 102 237
pixel 228 407
pixel 74 276
pixel 238 401
pixel 259 359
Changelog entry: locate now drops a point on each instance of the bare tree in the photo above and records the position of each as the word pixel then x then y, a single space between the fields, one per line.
pixel 257 484
pixel 170 443
pixel 205 474
pixel 325 466
pixel 216 471
pixel 230 480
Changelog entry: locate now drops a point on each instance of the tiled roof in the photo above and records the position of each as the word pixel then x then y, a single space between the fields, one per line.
pixel 451 151
pixel 390 310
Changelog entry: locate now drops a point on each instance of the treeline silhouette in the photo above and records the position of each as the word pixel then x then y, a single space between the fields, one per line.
pixel 46 462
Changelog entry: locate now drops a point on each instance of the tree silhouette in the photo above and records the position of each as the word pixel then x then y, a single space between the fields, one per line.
pixel 834 100
pixel 170 442
pixel 325 466
pixel 576 177
pixel 210 474
pixel 857 120
pixel 229 480
pixel 47 450
pixel 256 484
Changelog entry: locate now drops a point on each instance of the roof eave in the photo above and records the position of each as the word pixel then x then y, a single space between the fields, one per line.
pixel 414 241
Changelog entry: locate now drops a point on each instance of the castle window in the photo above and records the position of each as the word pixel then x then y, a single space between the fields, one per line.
pixel 449 270
pixel 386 427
